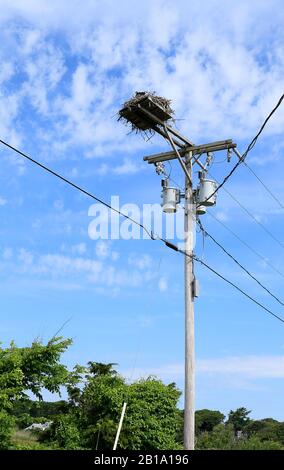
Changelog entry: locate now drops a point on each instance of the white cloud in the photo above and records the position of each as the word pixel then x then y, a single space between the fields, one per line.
pixel 114 255
pixel 253 367
pixel 128 168
pixel 163 284
pixel 103 169
pixel 102 272
pixel 141 262
pixel 222 216
pixel 3 201
pixel 63 264
pixel 58 204
pixel 116 50
pixel 102 249
pixel 7 253
pixel 6 72
pixel 243 369
pixel 25 256
pixel 79 249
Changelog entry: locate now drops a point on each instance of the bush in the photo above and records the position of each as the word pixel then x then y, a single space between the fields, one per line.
pixel 24 421
pixel 222 437
pixel 6 428
pixel 255 443
pixel 64 432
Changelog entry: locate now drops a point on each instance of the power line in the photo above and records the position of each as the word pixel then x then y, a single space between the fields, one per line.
pixel 246 244
pixel 234 234
pixel 248 149
pixel 271 235
pixel 87 193
pixel 176 248
pixel 238 263
pixel 242 207
pixel 238 288
pixel 265 186
pixel 151 235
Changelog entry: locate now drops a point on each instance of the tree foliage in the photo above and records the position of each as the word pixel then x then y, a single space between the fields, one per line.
pixel 239 419
pixel 28 369
pixel 31 369
pixel 6 428
pixel 206 420
pixel 89 419
pixel 224 437
pixel 64 432
pixel 151 419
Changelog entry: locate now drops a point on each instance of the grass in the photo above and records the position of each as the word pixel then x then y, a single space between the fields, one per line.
pixel 27 440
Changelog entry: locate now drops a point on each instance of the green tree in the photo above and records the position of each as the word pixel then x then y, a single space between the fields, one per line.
pixel 239 419
pixel 6 428
pixel 280 433
pixel 39 408
pixel 99 368
pixel 29 369
pixel 255 443
pixel 221 437
pixel 266 430
pixel 64 432
pixel 151 419
pixel 206 420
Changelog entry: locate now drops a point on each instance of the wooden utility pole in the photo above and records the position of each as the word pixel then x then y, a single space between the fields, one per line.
pixel 148 113
pixel 189 376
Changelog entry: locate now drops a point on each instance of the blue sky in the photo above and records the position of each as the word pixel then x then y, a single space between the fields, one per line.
pixel 65 71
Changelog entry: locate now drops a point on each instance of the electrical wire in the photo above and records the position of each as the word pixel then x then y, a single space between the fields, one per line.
pixel 238 288
pixel 264 185
pixel 237 262
pixel 248 149
pixel 268 232
pixel 151 235
pixel 176 248
pixel 266 261
pixel 271 235
pixel 87 193
pixel 221 185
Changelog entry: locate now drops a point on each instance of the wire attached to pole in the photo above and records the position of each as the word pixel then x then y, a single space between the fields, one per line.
pixel 248 149
pixel 151 234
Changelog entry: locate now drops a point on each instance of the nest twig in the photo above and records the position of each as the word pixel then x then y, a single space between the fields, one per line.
pixel 157 105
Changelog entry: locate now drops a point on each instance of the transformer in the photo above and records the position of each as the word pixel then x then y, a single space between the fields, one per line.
pixel 171 197
pixel 205 189
pixel 200 210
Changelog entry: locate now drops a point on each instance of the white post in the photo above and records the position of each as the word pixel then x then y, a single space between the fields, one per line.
pixel 189 386
pixel 120 425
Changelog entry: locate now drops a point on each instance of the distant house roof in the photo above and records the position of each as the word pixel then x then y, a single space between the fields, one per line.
pixel 39 426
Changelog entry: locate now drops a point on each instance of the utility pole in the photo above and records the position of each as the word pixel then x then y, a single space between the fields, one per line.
pixel 149 112
pixel 189 375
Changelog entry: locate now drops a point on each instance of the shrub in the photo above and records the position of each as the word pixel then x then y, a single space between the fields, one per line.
pixel 6 428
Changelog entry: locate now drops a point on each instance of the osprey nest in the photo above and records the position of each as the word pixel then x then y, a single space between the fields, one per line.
pixel 132 111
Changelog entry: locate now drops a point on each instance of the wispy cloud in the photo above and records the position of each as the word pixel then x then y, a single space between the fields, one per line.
pixel 154 48
pixel 253 367
pixel 128 167
pixel 243 369
pixel 3 201
pixel 102 271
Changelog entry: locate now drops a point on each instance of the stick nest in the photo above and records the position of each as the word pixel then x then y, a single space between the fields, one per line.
pixel 157 105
